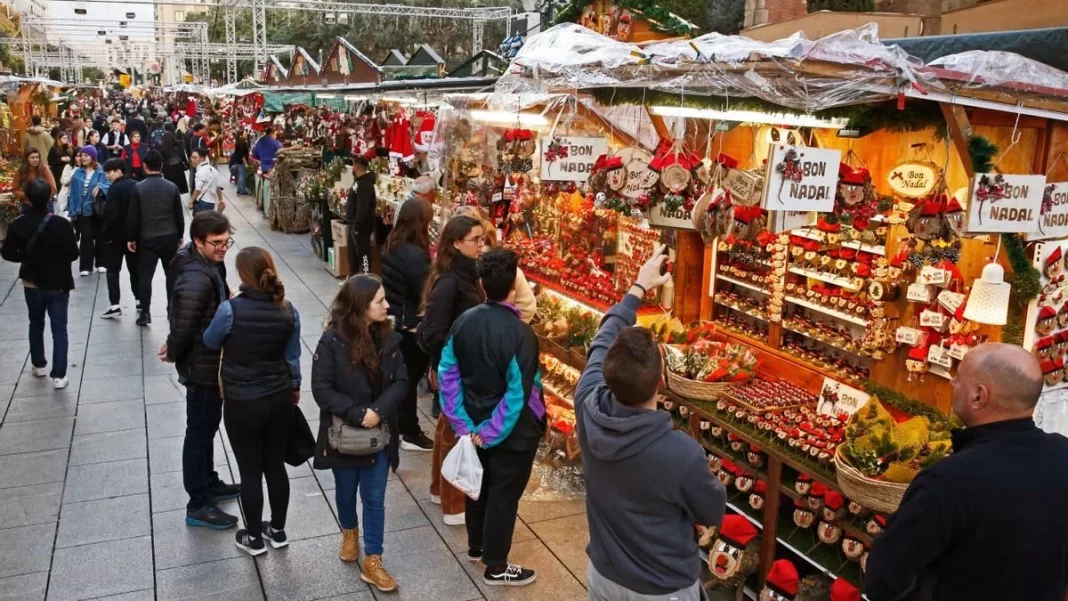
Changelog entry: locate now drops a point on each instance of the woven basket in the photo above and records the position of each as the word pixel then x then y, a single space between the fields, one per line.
pixel 877 495
pixel 692 389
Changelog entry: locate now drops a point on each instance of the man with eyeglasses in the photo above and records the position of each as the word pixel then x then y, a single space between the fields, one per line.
pixel 199 288
pixel 154 226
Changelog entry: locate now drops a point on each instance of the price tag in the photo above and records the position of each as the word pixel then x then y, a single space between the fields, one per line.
pixel 933 275
pixel 909 336
pixel 957 351
pixel 939 356
pixel 933 319
pixel 950 300
pixel 920 293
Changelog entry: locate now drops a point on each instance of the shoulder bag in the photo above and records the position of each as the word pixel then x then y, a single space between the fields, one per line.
pixel 347 439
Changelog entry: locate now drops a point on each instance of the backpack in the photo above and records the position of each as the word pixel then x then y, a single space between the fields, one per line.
pixel 155 139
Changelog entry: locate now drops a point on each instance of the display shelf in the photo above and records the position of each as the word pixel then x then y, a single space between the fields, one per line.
pixel 787 328
pixel 848 526
pixel 553 391
pixel 808 233
pixel 743 311
pixel 588 304
pixel 860 321
pixel 829 279
pixel 736 282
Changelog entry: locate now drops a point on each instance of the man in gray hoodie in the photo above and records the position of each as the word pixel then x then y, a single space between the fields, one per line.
pixel 647 485
pixel 38 137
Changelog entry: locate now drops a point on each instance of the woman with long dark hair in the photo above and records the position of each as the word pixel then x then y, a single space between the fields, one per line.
pixel 405 267
pixel 451 289
pixel 61 155
pixel 32 168
pixel 259 334
pixel 358 376
pixel 524 294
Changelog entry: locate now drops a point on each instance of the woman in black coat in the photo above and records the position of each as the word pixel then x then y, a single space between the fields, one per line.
pixel 405 267
pixel 358 375
pixel 174 160
pixel 451 289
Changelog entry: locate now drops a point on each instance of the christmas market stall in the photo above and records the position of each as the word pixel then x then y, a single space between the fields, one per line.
pixel 844 223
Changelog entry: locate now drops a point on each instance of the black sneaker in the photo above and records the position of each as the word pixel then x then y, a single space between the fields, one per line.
pixel 144 319
pixel 221 491
pixel 474 556
pixel 277 538
pixel 419 442
pixel 112 313
pixel 511 575
pixel 210 517
pixel 252 546
pixel 137 304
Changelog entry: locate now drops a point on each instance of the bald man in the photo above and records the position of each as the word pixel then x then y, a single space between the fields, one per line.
pixel 989 522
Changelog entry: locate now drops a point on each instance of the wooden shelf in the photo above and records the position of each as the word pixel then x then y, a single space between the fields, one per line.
pixel 753 287
pixel 742 311
pixel 787 328
pixel 829 279
pixel 860 321
pixel 875 249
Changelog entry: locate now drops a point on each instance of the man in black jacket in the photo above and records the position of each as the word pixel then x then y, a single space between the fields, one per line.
pixel 199 288
pixel 134 122
pixel 491 391
pixel 988 522
pixel 116 211
pixel 45 246
pixel 360 215
pixel 648 485
pixel 154 228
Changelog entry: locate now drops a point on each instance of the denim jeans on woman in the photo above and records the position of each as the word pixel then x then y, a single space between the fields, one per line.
pixel 370 483
pixel 54 303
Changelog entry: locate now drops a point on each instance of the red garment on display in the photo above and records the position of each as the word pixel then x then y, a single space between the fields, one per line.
pixel 399 138
pixel 191 106
pixel 425 134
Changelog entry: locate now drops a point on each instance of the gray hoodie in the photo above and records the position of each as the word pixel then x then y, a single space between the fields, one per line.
pixel 39 138
pixel 647 485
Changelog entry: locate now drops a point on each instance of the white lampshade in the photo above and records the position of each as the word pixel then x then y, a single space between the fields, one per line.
pixel 989 300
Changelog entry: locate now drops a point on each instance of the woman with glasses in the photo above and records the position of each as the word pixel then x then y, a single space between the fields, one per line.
pixel 451 289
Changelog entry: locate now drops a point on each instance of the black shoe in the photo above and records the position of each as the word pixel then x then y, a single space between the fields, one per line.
pixel 277 538
pixel 419 442
pixel 511 575
pixel 144 319
pixel 474 556
pixel 112 313
pixel 137 304
pixel 221 491
pixel 252 546
pixel 210 517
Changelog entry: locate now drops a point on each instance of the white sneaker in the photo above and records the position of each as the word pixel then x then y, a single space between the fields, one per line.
pixel 114 312
pixel 40 372
pixel 435 499
pixel 101 269
pixel 60 383
pixel 456 519
pixel 83 273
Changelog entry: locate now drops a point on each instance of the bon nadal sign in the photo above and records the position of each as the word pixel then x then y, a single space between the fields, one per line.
pixel 913 179
pixel 570 158
pixel 1053 216
pixel 1005 204
pixel 680 218
pixel 801 178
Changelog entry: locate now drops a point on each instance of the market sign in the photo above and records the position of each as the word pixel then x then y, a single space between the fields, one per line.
pixel 801 178
pixel 743 185
pixel 913 179
pixel 640 178
pixel 1005 204
pixel 679 218
pixel 1053 220
pixel 574 160
pixel 837 398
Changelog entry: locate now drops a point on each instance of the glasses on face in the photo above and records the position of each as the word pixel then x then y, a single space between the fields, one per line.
pixel 228 243
pixel 479 239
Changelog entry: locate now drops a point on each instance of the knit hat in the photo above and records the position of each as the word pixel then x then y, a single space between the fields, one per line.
pixel 843 590
pixel 737 531
pixel 783 578
pixel 89 150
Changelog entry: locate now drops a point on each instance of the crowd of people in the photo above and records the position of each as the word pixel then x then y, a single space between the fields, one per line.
pixel 456 311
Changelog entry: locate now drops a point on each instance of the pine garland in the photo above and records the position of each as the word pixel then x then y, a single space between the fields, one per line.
pixel 900 402
pixel 982 152
pixel 856 6
pixel 661 19
pixel 1026 284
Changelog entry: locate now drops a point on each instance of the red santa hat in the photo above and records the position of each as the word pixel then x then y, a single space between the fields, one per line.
pixel 952 207
pixel 863 270
pixel 737 531
pixel 783 578
pixel 424 134
pixel 1048 367
pixel 918 353
pixel 1048 341
pixel 760 487
pixel 824 226
pixel 755 449
pixel 727 161
pixel 1053 256
pixel 843 590
pixel 729 466
pixel 852 177
pixel 1047 312
pixel 804 478
pixel 819 490
pixel 881 520
pixel 931 208
pixel 834 500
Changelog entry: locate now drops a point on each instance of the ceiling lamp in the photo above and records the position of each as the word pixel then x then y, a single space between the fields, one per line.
pixel 790 119
pixel 989 300
pixel 510 118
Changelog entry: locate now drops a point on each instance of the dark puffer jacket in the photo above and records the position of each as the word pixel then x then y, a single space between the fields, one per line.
pixel 404 273
pixel 254 356
pixel 456 291
pixel 199 288
pixel 344 391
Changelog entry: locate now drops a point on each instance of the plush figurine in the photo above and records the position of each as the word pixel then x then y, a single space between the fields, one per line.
pixel 853 548
pixel 1047 319
pixel 1044 347
pixel 843 590
pixel 875 525
pixel 782 582
pixel 916 362
pixel 744 481
pixel 954 217
pixel 1053 266
pixel 1049 370
pixel 736 553
pixel 754 456
pixel 756 496
pixel 829 532
pixel 803 514
pixel 803 484
pixel 816 495
pixel 737 444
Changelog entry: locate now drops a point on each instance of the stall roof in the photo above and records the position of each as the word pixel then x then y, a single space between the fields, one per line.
pixel 1042 45
pixel 442 84
pixel 353 49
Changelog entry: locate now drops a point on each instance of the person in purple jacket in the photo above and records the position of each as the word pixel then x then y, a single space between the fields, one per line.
pixel 265 154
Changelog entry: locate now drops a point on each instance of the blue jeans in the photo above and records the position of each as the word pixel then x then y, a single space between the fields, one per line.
pixel 203 412
pixel 370 482
pixel 242 172
pixel 200 205
pixel 54 303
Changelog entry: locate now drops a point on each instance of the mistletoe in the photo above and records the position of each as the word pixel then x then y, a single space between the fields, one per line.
pixel 555 151
pixel 992 189
pixel 790 169
pixel 673 202
pixel 1047 205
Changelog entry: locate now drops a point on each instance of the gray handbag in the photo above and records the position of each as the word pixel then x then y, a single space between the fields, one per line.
pixel 346 439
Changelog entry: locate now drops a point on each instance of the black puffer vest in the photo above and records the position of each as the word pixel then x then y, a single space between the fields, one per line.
pixel 254 356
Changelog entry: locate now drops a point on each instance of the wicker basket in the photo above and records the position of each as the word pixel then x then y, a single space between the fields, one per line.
pixel 877 495
pixel 692 389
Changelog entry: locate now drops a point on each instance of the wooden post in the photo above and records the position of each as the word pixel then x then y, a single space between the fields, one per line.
pixel 772 499
pixel 658 125
pixel 959 131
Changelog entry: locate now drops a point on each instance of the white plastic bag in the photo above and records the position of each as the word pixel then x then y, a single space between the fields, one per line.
pixel 462 468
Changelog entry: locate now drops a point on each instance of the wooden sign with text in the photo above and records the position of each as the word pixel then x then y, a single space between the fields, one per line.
pixel 1004 204
pixel 801 178
pixel 1053 218
pixel 913 179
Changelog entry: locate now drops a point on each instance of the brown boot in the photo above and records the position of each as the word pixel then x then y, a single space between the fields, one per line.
pixel 375 574
pixel 350 545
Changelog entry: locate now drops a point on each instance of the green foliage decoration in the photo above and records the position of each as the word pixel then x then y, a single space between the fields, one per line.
pixel 663 20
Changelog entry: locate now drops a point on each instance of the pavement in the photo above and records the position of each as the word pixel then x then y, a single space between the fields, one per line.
pixel 91 496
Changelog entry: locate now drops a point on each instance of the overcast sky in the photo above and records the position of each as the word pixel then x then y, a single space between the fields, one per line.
pixel 85 36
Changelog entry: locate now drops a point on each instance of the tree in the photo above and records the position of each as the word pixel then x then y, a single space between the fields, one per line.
pixel 726 16
pixel 9 27
pixel 857 6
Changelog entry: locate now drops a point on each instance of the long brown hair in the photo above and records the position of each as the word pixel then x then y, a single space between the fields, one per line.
pixel 489 231
pixel 412 226
pixel 348 316
pixel 255 267
pixel 24 168
pixel 455 230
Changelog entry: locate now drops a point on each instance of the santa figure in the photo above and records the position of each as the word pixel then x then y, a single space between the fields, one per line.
pixel 954 217
pixel 803 514
pixel 1047 320
pixel 782 582
pixel 803 484
pixel 1044 347
pixel 756 496
pixel 1053 265
pixel 735 554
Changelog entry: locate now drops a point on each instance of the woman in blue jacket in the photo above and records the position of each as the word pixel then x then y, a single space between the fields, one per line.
pixel 88 183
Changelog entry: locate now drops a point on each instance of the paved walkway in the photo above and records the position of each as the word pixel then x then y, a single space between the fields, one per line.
pixel 91 497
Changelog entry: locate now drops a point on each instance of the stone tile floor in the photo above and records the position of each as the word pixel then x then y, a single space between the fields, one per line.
pixel 91 497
